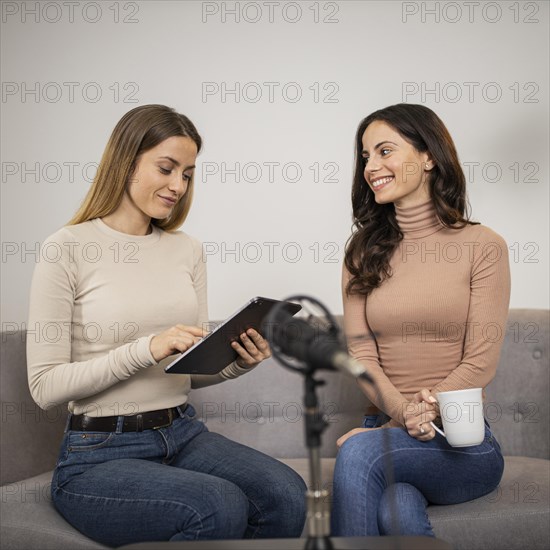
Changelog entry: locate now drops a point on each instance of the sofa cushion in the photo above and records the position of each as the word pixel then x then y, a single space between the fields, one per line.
pixel 516 404
pixel 513 517
pixel 30 437
pixel 29 520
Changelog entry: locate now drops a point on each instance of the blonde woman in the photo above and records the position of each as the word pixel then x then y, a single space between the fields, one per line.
pixel 125 293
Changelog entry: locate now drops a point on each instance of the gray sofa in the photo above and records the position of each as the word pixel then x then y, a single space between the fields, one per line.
pixel 264 410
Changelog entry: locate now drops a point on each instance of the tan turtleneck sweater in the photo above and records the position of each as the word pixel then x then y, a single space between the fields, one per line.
pixel 439 321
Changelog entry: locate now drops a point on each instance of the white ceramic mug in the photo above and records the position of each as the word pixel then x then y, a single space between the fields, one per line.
pixel 462 415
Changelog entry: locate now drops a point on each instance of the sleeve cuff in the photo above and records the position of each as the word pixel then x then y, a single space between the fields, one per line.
pixel 233 370
pixel 144 351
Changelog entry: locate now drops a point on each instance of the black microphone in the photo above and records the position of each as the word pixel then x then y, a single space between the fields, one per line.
pixel 314 345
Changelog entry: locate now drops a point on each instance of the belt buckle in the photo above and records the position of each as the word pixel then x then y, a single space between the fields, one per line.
pixel 170 420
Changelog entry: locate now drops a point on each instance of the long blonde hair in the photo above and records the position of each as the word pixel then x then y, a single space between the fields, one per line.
pixel 138 131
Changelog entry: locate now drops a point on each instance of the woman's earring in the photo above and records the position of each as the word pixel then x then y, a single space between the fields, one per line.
pixel 427 166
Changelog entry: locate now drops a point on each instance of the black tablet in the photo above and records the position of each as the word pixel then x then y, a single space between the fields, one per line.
pixel 214 352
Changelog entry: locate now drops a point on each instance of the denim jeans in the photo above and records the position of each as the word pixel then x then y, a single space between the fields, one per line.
pixel 181 482
pixel 369 500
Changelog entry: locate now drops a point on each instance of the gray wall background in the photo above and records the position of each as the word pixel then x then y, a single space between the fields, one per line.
pixel 277 90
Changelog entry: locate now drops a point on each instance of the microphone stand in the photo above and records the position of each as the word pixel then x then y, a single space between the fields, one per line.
pixel 274 326
pixel 318 506
pixel 317 498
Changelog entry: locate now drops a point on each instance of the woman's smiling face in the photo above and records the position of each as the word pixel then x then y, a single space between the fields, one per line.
pixel 394 170
pixel 162 176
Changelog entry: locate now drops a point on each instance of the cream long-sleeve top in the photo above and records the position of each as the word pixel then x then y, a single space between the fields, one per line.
pixel 439 321
pixel 98 297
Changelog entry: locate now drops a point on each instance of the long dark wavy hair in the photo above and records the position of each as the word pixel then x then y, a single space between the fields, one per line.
pixel 376 233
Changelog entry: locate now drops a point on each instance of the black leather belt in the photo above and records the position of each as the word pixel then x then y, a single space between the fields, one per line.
pixel 150 420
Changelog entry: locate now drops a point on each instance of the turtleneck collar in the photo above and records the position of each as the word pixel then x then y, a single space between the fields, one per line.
pixel 418 221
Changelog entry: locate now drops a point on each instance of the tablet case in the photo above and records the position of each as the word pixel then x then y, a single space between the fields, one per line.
pixel 214 352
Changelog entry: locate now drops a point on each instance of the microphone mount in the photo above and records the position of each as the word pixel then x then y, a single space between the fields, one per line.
pixel 279 323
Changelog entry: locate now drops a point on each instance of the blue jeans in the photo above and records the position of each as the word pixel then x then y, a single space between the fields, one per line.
pixel 367 500
pixel 176 483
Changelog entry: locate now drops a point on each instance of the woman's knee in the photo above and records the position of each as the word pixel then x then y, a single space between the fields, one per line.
pixel 222 514
pixel 360 454
pixel 402 511
pixel 279 498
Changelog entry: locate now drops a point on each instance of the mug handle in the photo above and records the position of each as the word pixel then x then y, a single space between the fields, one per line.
pixel 437 429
